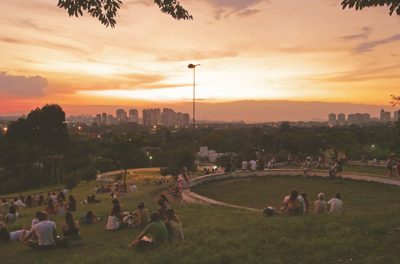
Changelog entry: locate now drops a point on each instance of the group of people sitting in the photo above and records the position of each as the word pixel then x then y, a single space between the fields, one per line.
pixel 54 205
pixel 159 227
pixel 43 233
pixel 298 204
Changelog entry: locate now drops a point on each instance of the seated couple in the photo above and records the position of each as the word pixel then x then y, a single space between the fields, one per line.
pixel 43 235
pixel 116 219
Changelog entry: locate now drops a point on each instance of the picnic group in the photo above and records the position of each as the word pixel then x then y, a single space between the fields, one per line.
pixel 161 226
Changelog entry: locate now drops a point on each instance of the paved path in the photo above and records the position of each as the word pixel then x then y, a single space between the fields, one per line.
pixel 192 197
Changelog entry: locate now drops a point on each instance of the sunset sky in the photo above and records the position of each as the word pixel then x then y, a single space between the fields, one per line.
pixel 304 50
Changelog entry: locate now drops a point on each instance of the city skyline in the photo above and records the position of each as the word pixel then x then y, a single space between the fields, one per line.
pixel 322 53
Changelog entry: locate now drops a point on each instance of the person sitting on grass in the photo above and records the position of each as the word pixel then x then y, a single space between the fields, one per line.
pixel 60 208
pixel 162 210
pixel 174 226
pixel 292 204
pixel 306 204
pixel 35 219
pixel 70 229
pixel 45 232
pixel 141 215
pixel 50 208
pixel 154 234
pixel 114 219
pixel 89 218
pixel 71 205
pixel 12 216
pixel 320 205
pixel 18 235
pixel 335 205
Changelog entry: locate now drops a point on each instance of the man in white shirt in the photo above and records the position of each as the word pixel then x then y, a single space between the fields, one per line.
pixel 253 165
pixel 335 205
pixel 45 232
pixel 244 165
pixel 19 203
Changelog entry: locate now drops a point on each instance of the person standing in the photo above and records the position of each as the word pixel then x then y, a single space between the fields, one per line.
pixel 389 165
pixel 307 166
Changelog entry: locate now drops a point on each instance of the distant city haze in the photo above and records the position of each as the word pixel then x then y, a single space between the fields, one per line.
pixel 248 111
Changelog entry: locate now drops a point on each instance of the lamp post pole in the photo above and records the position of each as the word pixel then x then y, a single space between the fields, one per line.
pixel 193 66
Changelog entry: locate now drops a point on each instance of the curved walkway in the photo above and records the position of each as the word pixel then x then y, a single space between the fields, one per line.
pixel 192 197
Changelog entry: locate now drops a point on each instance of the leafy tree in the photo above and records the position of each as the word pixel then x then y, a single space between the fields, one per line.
pixel 71 180
pixel 107 10
pixel 393 5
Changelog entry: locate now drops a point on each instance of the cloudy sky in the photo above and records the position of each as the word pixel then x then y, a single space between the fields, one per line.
pixel 305 50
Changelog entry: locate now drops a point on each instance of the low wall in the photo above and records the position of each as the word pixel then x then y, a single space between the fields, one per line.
pixel 192 197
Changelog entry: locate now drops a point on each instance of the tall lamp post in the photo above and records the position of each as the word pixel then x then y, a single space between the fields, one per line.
pixel 193 66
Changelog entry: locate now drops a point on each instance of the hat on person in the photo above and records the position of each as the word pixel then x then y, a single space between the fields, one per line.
pixel 321 195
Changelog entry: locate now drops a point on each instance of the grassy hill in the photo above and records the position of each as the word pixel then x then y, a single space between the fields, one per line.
pixel 224 235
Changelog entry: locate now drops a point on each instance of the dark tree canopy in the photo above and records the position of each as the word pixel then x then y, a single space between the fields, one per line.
pixel 393 5
pixel 107 10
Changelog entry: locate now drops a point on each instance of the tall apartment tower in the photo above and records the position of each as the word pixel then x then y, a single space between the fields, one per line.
pixel 385 116
pixel 121 115
pixel 151 117
pixel 332 118
pixel 133 116
pixel 341 119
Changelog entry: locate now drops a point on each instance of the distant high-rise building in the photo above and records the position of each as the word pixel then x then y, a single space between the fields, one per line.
pixel 341 119
pixel 183 119
pixel 104 118
pixel 385 116
pixel 396 116
pixel 168 117
pixel 97 119
pixel 332 118
pixel 110 120
pixel 357 119
pixel 151 117
pixel 121 115
pixel 133 116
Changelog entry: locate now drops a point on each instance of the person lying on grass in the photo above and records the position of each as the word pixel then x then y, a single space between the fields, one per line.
pixel 18 235
pixel 155 233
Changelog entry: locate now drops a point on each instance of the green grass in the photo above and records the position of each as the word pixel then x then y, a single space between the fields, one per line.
pixel 359 197
pixel 366 169
pixel 224 235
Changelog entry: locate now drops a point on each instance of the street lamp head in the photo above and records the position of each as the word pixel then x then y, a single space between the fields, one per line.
pixel 192 66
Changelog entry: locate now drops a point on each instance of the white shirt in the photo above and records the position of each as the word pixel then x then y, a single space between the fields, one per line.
pixel 253 165
pixel 19 204
pixel 133 188
pixel 244 165
pixel 112 223
pixel 336 206
pixel 45 232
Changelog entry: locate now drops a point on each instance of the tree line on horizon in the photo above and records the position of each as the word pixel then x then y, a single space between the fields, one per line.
pixel 42 150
